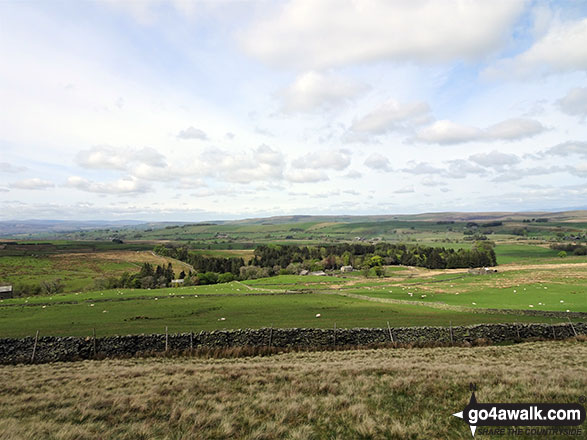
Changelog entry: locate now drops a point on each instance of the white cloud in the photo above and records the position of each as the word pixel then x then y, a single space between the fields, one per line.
pixel 191 183
pixel 192 133
pixel 334 160
pixel 521 173
pixel 391 115
pixel 157 174
pixel 460 168
pixel 447 132
pixel 421 168
pixel 260 164
pixel 314 90
pixel 495 159
pixel 428 181
pixel 514 129
pixel 579 170
pixel 105 157
pixel 306 176
pixel 405 190
pixel 32 184
pixel 378 162
pixel 352 174
pixel 121 186
pixel 574 103
pixel 561 49
pixel 310 34
pixel 568 148
pixel 5 167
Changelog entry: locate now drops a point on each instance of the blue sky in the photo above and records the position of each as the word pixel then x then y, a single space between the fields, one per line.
pixel 195 110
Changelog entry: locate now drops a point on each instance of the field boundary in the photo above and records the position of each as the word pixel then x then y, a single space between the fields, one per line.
pixel 51 349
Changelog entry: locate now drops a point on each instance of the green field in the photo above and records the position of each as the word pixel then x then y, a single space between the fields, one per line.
pixel 223 306
pixel 531 276
pixel 523 254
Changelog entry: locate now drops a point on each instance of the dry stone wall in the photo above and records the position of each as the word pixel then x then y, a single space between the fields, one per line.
pixel 50 349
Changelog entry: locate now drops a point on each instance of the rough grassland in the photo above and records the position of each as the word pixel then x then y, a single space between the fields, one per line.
pixel 370 394
pixel 78 271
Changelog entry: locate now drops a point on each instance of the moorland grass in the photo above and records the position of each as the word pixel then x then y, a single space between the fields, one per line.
pixel 363 394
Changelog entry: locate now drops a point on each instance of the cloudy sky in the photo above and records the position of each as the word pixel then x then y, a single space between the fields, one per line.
pixel 195 110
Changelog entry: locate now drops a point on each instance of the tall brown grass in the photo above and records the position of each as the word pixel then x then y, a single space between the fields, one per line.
pixel 360 394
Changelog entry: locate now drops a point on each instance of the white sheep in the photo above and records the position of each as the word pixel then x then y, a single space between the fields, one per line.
pixel 318 315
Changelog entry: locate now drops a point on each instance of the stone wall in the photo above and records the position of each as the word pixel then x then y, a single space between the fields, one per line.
pixel 51 348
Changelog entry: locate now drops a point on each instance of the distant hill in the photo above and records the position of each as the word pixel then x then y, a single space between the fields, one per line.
pixel 431 216
pixel 18 227
pixel 69 228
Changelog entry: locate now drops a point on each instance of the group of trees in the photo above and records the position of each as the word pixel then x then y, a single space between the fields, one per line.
pixel 45 287
pixel 269 260
pixel 360 256
pixel 202 263
pixel 569 248
pixel 149 277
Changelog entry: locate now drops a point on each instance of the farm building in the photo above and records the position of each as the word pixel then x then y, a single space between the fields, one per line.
pixel 176 283
pixel 304 272
pixel 5 292
pixel 346 269
pixel 319 273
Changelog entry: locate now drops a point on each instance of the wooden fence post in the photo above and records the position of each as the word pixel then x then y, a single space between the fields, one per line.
pixel 552 327
pixel 452 342
pixel 35 347
pixel 335 334
pixel 572 326
pixel 390 334
pixel 166 339
pixel 518 331
pixel 191 341
pixel 94 340
pixel 270 335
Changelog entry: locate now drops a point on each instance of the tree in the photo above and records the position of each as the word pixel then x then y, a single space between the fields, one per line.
pixel 376 260
pixel 562 254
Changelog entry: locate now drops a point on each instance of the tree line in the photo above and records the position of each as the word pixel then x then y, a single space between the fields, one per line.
pixel 481 254
pixel 279 259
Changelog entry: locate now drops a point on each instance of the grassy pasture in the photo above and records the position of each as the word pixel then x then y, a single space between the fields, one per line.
pixel 523 253
pixel 181 310
pixel 363 394
pixel 540 287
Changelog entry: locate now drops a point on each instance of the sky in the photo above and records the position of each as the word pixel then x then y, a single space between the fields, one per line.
pixel 199 110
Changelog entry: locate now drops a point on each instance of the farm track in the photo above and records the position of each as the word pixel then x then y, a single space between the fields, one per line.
pixel 444 306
